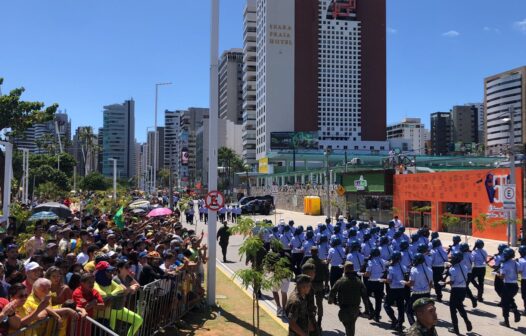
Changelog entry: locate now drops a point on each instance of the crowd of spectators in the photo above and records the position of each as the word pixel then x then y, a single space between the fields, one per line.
pixel 84 265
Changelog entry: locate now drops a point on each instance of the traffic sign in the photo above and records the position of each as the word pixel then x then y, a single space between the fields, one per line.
pixel 340 190
pixel 509 193
pixel 214 200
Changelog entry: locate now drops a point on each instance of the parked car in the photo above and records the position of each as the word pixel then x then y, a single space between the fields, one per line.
pixel 257 206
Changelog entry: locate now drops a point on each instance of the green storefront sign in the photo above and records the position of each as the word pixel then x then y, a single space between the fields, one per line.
pixel 368 182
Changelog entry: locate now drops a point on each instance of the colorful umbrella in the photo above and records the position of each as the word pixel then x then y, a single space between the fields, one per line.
pixel 160 212
pixel 43 215
pixel 59 209
pixel 139 204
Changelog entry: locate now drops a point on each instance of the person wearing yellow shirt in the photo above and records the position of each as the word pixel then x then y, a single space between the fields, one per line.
pixel 109 289
pixel 41 293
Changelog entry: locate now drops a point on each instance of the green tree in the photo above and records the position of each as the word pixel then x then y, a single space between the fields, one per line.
pixel 50 191
pixel 94 181
pixel 264 274
pixel 67 162
pixel 88 147
pixel 16 115
pixel 232 163
pixel 164 177
pixel 45 173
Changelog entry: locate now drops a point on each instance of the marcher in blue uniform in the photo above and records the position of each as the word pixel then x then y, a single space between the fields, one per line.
pixel 385 250
pixel 522 271
pixel 458 280
pixel 404 236
pixel 407 257
pixel 498 284
pixel 354 256
pixel 308 243
pixel 456 245
pixel 439 257
pixel 391 230
pixel 285 238
pixel 397 239
pixel 468 262
pixel 375 287
pixel 397 293
pixel 351 236
pixel 413 247
pixel 480 257
pixel 296 246
pixel 335 259
pixel 424 249
pixel 420 282
pixel 509 274
pixel 367 245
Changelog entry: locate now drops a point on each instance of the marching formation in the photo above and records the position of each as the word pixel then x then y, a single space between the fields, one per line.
pixel 348 262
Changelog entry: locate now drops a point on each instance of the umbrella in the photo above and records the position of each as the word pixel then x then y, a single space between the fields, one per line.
pixel 141 203
pixel 160 212
pixel 138 211
pixel 43 215
pixel 59 209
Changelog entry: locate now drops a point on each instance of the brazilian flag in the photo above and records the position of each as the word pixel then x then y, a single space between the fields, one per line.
pixel 119 218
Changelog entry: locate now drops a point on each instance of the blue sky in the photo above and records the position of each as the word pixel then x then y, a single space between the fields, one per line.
pixel 86 54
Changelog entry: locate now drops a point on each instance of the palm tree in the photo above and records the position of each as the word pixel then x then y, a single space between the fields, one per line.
pixel 88 147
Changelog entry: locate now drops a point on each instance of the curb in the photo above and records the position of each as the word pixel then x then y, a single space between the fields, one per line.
pixel 268 308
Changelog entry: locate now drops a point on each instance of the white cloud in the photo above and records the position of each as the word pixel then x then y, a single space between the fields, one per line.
pixel 521 25
pixel 391 30
pixel 451 33
pixel 491 29
pixel 487 28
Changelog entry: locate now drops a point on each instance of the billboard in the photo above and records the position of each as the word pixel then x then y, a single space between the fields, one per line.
pixel 368 182
pixel 184 156
pixel 293 140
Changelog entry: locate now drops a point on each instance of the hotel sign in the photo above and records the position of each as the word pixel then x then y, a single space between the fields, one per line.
pixel 280 34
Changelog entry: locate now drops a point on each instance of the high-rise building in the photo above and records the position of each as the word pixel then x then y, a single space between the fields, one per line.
pixel 119 139
pixel 85 150
pixel 150 141
pixel 413 131
pixel 172 128
pixel 441 139
pixel 502 91
pixel 464 125
pixel 231 86
pixel 42 138
pixel 321 66
pixel 249 83
pixel 190 121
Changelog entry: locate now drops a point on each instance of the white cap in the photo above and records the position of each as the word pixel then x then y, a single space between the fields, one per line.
pixel 32 266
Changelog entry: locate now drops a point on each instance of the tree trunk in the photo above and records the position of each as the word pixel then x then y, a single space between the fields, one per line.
pixel 257 315
pixel 254 298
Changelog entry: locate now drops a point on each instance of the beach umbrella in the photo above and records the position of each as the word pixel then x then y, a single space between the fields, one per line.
pixel 160 212
pixel 138 211
pixel 43 215
pixel 57 208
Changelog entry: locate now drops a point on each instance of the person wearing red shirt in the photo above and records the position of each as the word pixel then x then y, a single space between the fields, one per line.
pixel 87 297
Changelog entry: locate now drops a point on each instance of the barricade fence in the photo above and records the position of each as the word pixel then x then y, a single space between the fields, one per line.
pixel 146 312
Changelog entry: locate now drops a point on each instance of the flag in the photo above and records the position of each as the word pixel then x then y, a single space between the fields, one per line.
pixel 118 218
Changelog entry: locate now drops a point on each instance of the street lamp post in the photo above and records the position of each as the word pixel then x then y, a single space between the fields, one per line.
pixel 212 148
pixel 327 152
pixel 114 178
pixel 513 214
pixel 156 137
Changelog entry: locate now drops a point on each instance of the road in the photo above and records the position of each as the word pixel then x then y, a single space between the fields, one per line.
pixel 485 317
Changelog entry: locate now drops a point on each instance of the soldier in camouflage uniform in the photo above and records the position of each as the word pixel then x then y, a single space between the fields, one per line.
pixel 426 318
pixel 346 293
pixel 310 270
pixel 301 320
pixel 321 277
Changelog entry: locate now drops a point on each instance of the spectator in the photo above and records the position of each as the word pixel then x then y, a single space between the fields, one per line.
pixel 14 267
pixel 18 295
pixel 4 286
pixel 151 270
pixel 33 272
pixel 59 291
pixel 124 278
pixel 111 292
pixel 35 243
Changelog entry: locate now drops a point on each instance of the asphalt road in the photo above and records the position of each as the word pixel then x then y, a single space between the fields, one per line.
pixel 485 318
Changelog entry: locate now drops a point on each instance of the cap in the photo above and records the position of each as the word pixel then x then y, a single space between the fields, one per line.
pixel 154 254
pixel 302 278
pixel 104 266
pixel 32 266
pixel 53 229
pixel 12 246
pixel 422 302
pixel 112 254
pixel 143 254
pixel 51 245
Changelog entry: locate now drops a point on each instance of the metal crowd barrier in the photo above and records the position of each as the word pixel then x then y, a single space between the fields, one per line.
pixel 149 311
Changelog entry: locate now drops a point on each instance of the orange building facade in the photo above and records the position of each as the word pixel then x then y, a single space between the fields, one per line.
pixel 481 199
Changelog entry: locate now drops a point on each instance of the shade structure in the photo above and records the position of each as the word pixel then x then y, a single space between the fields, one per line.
pixel 139 204
pixel 160 212
pixel 57 208
pixel 43 215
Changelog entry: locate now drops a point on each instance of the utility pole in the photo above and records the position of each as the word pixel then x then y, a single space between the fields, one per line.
pixel 212 149
pixel 8 173
pixel 114 179
pixel 513 213
pixel 327 153
pixel 25 177
pixel 170 182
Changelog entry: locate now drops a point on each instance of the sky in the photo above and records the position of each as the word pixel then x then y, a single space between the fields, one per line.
pixel 87 54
